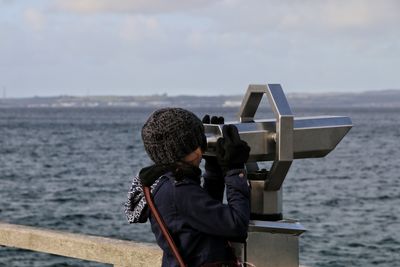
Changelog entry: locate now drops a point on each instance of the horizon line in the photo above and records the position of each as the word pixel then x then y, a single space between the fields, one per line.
pixel 195 95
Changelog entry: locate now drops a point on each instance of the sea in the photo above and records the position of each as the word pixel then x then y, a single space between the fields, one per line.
pixel 70 169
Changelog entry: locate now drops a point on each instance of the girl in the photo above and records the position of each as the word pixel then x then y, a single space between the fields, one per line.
pixel 199 223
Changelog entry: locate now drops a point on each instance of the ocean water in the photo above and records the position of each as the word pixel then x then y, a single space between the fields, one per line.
pixel 70 170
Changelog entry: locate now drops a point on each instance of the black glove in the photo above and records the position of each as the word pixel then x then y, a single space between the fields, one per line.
pixel 211 164
pixel 214 120
pixel 232 152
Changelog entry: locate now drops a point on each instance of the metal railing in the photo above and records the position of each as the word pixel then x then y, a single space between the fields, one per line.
pixel 85 247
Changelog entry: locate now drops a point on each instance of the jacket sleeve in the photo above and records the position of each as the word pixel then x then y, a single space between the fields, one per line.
pixel 214 185
pixel 209 215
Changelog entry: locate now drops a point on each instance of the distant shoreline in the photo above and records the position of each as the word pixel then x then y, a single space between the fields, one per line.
pixel 370 99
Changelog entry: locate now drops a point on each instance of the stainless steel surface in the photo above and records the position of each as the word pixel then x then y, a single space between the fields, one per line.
pixel 266 249
pixel 265 202
pixel 257 192
pixel 284 122
pixel 283 137
pixel 278 172
pixel 290 227
pixel 276 244
pixel 250 102
pixel 279 140
pixel 313 137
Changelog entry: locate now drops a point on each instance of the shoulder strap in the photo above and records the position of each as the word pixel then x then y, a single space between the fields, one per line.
pixel 163 227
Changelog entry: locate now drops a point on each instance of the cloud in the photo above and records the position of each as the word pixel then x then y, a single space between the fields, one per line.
pixel 130 6
pixel 34 19
pixel 140 28
pixel 7 2
pixel 258 16
pixel 205 44
pixel 331 15
pixel 357 15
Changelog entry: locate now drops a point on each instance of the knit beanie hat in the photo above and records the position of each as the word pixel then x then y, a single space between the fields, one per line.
pixel 170 134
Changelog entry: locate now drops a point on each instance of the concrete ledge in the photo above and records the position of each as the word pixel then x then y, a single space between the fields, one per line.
pixel 85 247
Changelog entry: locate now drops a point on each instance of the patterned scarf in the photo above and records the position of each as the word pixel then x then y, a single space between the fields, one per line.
pixel 136 209
pixel 136 206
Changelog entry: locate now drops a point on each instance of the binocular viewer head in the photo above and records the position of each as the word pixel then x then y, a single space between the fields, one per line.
pixel 313 137
pixel 283 138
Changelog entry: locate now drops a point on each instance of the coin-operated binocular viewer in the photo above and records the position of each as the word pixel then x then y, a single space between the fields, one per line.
pixel 272 240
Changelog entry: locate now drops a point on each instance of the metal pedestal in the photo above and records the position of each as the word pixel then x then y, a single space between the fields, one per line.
pixel 274 244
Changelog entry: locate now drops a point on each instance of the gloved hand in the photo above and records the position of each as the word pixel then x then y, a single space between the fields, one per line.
pixel 214 120
pixel 232 152
pixel 211 164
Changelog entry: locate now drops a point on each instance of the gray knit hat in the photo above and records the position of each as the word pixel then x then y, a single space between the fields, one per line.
pixel 170 134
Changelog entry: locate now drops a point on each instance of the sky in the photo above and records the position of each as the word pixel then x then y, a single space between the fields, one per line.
pixel 197 47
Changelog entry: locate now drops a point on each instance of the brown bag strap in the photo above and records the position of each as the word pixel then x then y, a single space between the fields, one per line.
pixel 163 227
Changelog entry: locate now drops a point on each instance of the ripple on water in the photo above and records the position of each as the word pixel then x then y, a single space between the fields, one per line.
pixel 70 169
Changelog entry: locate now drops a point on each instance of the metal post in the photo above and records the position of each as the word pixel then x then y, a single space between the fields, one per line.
pixel 273 241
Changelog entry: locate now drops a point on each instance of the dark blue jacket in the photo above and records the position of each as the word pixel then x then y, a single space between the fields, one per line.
pixel 198 221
